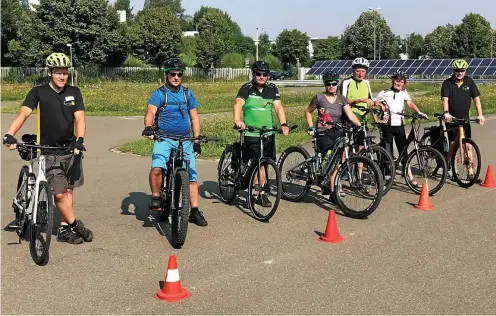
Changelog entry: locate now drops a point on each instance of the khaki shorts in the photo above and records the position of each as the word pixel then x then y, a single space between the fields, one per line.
pixel 64 172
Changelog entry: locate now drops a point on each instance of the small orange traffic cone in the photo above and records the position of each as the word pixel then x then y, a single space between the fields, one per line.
pixel 489 181
pixel 172 290
pixel 331 234
pixel 424 203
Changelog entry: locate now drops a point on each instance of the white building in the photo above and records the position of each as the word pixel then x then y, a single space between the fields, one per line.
pixel 30 3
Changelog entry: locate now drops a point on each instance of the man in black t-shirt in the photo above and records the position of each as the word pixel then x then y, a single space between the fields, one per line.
pixel 61 114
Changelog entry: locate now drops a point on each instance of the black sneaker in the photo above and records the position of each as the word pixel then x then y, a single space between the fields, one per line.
pixel 332 199
pixel 196 216
pixel 264 200
pixel 155 203
pixel 65 234
pixel 82 231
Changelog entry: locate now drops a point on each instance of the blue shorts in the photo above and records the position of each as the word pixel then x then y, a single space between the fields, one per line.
pixel 161 152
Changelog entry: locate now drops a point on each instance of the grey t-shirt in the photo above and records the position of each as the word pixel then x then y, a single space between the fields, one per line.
pixel 328 111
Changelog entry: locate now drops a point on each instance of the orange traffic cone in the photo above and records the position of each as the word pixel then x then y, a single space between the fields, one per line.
pixel 489 181
pixel 331 233
pixel 424 203
pixel 172 290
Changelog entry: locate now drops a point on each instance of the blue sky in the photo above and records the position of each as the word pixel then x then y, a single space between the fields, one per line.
pixel 321 18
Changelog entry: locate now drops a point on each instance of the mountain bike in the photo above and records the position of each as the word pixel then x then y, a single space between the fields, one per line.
pixel 435 137
pixel 375 152
pixel 174 192
pixel 362 174
pixel 421 154
pixel 33 202
pixel 259 175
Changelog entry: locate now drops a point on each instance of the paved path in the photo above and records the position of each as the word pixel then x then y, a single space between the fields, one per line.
pixel 401 260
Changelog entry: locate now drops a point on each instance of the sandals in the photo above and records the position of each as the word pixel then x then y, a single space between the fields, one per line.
pixel 416 184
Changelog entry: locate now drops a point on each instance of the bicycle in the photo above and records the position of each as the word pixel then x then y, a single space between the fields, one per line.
pixel 33 202
pixel 435 137
pixel 365 180
pixel 420 150
pixel 376 153
pixel 174 192
pixel 233 174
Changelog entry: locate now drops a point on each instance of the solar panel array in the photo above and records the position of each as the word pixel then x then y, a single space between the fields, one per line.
pixel 416 67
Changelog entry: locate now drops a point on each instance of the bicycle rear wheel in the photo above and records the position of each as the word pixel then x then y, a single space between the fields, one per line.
pixel 227 176
pixel 259 194
pixel 22 199
pixel 365 182
pixel 386 165
pixel 430 173
pixel 41 226
pixel 181 209
pixel 460 165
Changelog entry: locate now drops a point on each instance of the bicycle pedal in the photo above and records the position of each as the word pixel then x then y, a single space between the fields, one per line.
pixel 13 227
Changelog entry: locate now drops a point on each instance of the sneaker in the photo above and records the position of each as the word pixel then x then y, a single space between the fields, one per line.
pixel 155 203
pixel 263 200
pixel 332 199
pixel 196 216
pixel 65 234
pixel 82 231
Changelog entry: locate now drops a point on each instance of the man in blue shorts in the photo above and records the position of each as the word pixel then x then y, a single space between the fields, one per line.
pixel 171 109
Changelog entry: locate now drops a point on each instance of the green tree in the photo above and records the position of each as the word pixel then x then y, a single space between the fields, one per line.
pixel 233 60
pixel 414 46
pixel 245 45
pixel 118 44
pixel 327 49
pixel 292 44
pixel 264 46
pixel 174 5
pixel 11 16
pixel 153 40
pixel 472 37
pixel 126 6
pixel 188 50
pixel 358 39
pixel 437 44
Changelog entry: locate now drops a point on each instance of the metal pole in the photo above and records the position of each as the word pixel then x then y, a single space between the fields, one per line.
pixel 72 68
pixel 374 34
pixel 256 44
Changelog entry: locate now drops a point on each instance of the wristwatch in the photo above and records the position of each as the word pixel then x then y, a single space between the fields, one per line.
pixel 284 124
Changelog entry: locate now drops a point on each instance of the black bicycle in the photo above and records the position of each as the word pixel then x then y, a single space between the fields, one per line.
pixel 435 173
pixel 259 175
pixel 174 192
pixel 300 171
pixel 460 159
pixel 33 202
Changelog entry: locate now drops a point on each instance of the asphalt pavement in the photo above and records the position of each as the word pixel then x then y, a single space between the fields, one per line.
pixel 398 261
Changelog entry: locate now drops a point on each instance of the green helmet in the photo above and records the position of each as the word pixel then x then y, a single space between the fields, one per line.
pixel 459 64
pixel 58 60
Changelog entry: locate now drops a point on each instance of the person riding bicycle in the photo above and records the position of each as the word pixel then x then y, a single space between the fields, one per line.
pixel 331 107
pixel 171 108
pixel 61 123
pixel 394 99
pixel 457 93
pixel 257 99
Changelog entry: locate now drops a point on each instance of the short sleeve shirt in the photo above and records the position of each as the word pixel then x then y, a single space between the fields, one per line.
pixel 174 120
pixel 396 103
pixel 56 113
pixel 459 96
pixel 327 111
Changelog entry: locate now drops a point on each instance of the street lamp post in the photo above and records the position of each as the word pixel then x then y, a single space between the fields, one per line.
pixel 256 44
pixel 375 11
pixel 72 65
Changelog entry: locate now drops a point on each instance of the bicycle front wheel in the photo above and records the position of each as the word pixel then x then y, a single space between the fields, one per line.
pixel 264 190
pixel 386 165
pixel 430 168
pixel 466 169
pixel 358 178
pixel 295 173
pixel 181 209
pixel 22 199
pixel 41 226
pixel 227 176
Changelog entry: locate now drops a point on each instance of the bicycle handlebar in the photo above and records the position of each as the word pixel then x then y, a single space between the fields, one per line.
pixel 456 120
pixel 21 145
pixel 262 130
pixel 199 139
pixel 414 116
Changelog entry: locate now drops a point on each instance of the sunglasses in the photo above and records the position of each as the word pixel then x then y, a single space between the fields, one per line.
pixel 460 70
pixel 261 74
pixel 174 74
pixel 331 84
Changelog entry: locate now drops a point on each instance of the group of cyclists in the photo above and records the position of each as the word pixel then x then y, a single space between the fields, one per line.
pixel 172 109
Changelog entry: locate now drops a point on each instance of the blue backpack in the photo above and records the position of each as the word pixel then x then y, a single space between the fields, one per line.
pixel 162 106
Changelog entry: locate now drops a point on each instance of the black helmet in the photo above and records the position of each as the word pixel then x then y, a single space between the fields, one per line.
pixel 260 66
pixel 330 76
pixel 173 64
pixel 399 75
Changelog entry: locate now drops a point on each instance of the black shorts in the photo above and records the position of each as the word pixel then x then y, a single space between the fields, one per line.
pixel 325 141
pixel 64 172
pixel 454 133
pixel 251 147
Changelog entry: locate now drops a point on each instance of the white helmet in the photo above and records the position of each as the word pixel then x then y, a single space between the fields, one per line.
pixel 360 61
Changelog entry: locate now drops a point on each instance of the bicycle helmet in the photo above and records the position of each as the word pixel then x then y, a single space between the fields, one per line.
pixel 330 76
pixel 360 62
pixel 459 64
pixel 399 75
pixel 173 64
pixel 260 66
pixel 58 60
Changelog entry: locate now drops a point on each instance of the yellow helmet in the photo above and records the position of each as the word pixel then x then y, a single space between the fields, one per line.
pixel 460 64
pixel 58 60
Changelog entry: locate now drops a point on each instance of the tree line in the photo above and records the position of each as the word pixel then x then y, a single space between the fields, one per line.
pixel 155 33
